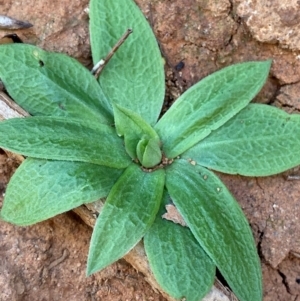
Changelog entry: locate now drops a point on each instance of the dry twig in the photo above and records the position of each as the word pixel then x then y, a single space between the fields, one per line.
pixel 97 69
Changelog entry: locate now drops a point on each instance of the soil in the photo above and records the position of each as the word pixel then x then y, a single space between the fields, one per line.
pixel 47 261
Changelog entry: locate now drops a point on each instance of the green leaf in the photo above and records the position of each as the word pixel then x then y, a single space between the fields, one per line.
pixel 52 84
pixel 218 224
pixel 149 153
pixel 209 104
pixel 259 141
pixel 41 189
pixel 133 128
pixel 179 264
pixel 134 77
pixel 59 138
pixel 128 212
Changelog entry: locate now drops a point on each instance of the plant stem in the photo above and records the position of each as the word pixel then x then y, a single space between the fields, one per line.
pixel 102 63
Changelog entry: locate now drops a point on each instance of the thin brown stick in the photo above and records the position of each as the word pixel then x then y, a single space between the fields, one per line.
pixel 99 66
pixel 11 23
pixel 9 109
pixel 293 177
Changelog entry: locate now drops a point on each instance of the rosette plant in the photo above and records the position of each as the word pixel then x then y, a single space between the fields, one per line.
pixel 89 139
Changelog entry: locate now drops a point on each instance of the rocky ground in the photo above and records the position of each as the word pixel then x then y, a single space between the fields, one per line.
pixel 47 261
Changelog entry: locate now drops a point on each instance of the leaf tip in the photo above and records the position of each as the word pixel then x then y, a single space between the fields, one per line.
pixel 90 269
pixel 89 272
pixel 268 62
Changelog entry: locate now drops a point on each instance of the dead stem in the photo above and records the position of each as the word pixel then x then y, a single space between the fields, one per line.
pixel 102 63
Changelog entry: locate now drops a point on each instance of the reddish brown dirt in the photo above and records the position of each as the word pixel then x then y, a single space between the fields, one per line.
pixel 206 35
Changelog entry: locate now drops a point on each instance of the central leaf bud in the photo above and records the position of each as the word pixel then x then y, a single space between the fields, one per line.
pixel 141 141
pixel 148 152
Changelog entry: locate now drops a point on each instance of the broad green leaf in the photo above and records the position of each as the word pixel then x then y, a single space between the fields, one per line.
pixel 41 189
pixel 134 77
pixel 59 138
pixel 52 84
pixel 128 212
pixel 218 224
pixel 134 129
pixel 179 264
pixel 209 104
pixel 259 141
